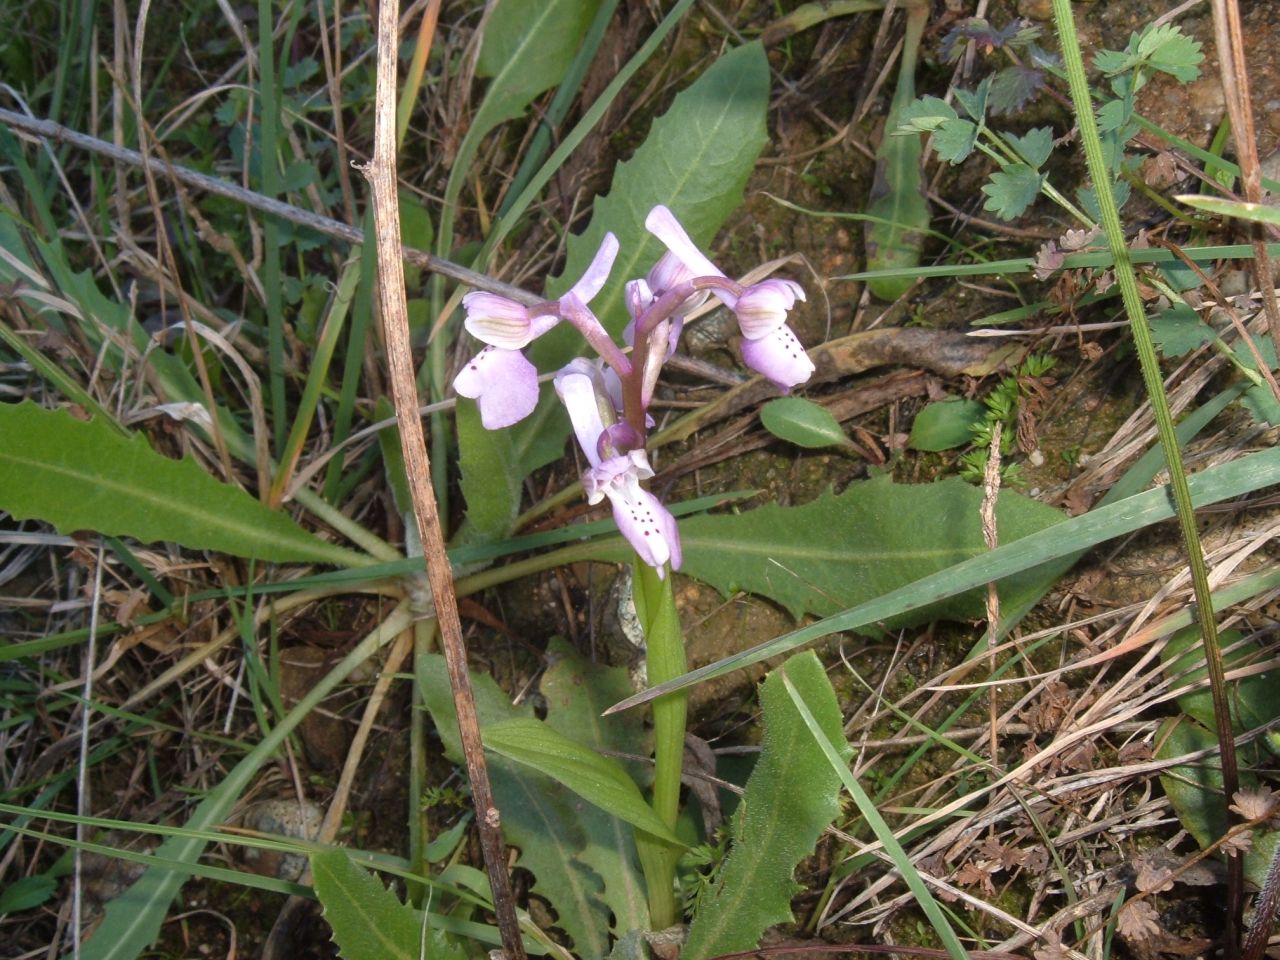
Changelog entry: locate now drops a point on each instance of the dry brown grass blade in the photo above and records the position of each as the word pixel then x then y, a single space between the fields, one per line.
pixel 381 174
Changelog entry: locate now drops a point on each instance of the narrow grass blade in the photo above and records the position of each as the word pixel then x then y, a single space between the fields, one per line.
pixel 878 825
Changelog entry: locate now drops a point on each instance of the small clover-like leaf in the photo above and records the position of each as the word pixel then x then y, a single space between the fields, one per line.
pixel 925 115
pixel 1179 330
pixel 954 140
pixel 1011 190
pixel 1088 198
pixel 1168 49
pixel 1114 114
pixel 974 102
pixel 1034 146
pixel 1013 87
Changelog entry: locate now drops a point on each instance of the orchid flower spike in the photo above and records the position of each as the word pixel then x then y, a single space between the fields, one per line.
pixel 769 345
pixel 618 464
pixel 499 378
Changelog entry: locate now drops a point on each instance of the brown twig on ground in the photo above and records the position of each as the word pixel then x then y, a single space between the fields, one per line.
pixel 381 174
pixel 46 130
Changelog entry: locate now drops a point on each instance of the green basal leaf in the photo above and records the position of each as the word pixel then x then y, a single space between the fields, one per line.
pixel 539 816
pixel 489 485
pixel 1034 146
pixel 1195 790
pixel 1012 189
pixel 595 778
pixel 79 475
pixel 1254 701
pixel 844 549
pixel 895 237
pixel 26 893
pixel 577 693
pixel 802 422
pixel 791 798
pixel 945 425
pixel 716 129
pixel 369 922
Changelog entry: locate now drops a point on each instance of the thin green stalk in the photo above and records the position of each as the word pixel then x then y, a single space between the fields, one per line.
pixel 1127 281
pixel 665 659
pixel 353 362
pixel 268 136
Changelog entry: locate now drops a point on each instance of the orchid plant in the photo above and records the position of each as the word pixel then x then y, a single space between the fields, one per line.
pixel 607 399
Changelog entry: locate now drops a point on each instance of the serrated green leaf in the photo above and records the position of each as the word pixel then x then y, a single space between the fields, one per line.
pixel 79 475
pixel 368 921
pixel 790 799
pixel 896 205
pixel 1179 330
pixel 1013 87
pixel 1111 62
pixel 974 102
pixel 490 484
pixel 802 422
pixel 1011 190
pixel 945 425
pixel 954 140
pixel 1114 114
pixel 924 115
pixel 696 160
pixel 1034 146
pixel 1088 198
pixel 593 777
pixel 1258 399
pixel 1170 50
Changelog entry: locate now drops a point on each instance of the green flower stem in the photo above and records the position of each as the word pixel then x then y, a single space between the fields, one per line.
pixel 1181 494
pixel 656 607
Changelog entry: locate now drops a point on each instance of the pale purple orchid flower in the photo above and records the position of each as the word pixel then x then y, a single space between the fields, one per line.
pixel 617 467
pixel 769 345
pixel 499 378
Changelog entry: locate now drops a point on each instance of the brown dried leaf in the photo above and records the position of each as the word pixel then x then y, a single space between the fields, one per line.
pixel 1138 922
pixel 1257 803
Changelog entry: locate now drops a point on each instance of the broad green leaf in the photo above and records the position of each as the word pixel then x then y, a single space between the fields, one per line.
pixel 27 892
pixel 1069 538
pixel 1253 701
pixel 895 238
pixel 696 160
pixel 802 422
pixel 490 485
pixel 1255 212
pixel 594 777
pixel 848 548
pixel 81 475
pixel 577 693
pixel 1011 190
pixel 539 816
pixel 369 922
pixel 791 798
pixel 945 425
pixel 1195 790
pixel 924 115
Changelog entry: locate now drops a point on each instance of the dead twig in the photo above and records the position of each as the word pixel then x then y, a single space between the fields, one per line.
pixel 381 174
